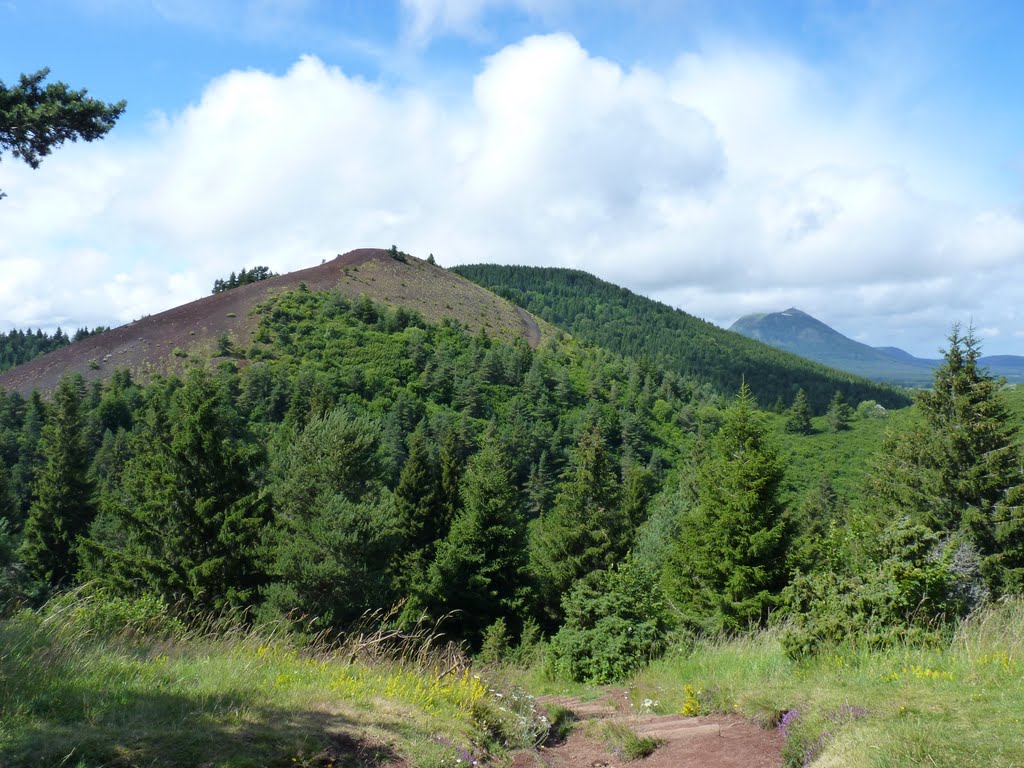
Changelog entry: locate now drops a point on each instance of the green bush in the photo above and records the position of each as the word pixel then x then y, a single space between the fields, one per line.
pixel 494 647
pixel 909 592
pixel 16 586
pixel 616 621
pixel 97 613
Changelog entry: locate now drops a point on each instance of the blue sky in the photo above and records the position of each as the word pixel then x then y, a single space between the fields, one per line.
pixel 862 161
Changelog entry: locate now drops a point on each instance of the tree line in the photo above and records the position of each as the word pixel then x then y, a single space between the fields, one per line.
pixel 243 277
pixel 363 457
pixel 601 313
pixel 17 347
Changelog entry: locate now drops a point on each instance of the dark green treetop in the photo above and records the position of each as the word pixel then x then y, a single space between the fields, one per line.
pixel 729 563
pixel 958 471
pixel 586 530
pixel 798 418
pixel 189 507
pixel 335 528
pixel 63 507
pixel 35 118
pixel 480 568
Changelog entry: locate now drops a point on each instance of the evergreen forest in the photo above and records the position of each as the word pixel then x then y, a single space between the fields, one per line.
pixel 242 277
pixel 615 318
pixel 17 347
pixel 565 507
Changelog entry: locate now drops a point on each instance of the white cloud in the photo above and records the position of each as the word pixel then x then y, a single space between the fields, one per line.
pixel 728 183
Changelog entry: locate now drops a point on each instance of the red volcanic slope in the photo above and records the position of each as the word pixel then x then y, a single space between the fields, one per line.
pixel 155 344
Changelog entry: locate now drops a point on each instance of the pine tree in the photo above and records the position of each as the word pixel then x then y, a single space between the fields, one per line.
pixel 798 419
pixel 34 119
pixel 839 413
pixel 420 505
pixel 729 562
pixel 539 491
pixel 403 416
pixel 63 508
pixel 30 459
pixel 8 506
pixel 637 485
pixel 336 528
pixel 480 567
pixel 189 506
pixel 586 530
pixel 959 470
pixel 456 445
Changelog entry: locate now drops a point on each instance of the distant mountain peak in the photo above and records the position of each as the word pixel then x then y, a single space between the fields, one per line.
pixel 793 330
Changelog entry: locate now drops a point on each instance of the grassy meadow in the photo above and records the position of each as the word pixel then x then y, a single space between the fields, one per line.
pixel 91 681
pixel 957 706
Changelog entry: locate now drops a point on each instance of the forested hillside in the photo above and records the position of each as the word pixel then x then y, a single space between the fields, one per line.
pixel 563 506
pixel 17 347
pixel 359 456
pixel 166 341
pixel 598 312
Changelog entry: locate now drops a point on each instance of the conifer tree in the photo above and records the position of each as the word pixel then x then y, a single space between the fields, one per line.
pixel 729 562
pixel 798 419
pixel 403 416
pixel 539 491
pixel 586 530
pixel 63 508
pixel 8 506
pixel 421 508
pixel 637 485
pixel 456 445
pixel 30 460
pixel 959 471
pixel 34 119
pixel 12 416
pixel 192 516
pixel 480 567
pixel 336 528
pixel 109 461
pixel 839 413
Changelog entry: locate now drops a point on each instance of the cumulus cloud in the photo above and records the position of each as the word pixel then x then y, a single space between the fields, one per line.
pixel 727 183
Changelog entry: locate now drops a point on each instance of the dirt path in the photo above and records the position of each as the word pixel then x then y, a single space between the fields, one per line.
pixel 530 327
pixel 716 741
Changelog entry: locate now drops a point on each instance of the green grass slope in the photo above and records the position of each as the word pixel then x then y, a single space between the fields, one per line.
pixel 92 681
pixel 598 312
pixel 954 706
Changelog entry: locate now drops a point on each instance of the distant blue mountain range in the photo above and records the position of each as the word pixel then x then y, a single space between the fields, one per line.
pixel 798 332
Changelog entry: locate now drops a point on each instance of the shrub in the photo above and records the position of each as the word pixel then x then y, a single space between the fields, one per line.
pixel 910 592
pixel 616 620
pixel 495 643
pixel 97 613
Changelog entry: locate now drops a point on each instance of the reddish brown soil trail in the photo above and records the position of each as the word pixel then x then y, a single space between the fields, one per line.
pixel 715 741
pixel 531 331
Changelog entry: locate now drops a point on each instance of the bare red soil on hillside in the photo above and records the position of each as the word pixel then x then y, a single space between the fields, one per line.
pixel 168 341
